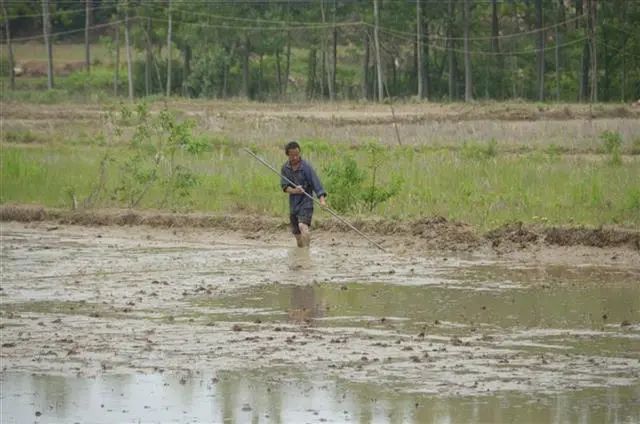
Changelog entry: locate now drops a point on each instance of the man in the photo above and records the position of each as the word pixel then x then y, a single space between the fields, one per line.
pixel 305 180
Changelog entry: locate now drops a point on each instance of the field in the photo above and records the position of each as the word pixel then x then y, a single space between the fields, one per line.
pixel 148 273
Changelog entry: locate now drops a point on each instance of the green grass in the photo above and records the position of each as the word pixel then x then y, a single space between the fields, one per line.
pixel 485 190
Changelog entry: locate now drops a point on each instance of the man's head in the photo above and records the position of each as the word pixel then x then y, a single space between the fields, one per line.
pixel 292 150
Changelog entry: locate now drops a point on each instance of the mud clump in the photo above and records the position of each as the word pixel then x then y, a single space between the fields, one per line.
pixel 512 234
pixel 592 237
pixel 23 213
pixel 432 233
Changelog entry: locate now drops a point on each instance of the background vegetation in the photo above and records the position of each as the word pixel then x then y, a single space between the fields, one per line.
pixel 562 50
pixel 158 161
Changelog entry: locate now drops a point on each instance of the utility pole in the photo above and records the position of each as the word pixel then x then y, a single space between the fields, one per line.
pixel 46 28
pixel 376 40
pixel 169 53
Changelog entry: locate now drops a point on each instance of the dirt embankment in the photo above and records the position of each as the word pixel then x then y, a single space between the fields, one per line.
pixel 436 233
pixel 344 114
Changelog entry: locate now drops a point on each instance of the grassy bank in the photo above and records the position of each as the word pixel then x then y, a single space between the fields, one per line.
pixel 477 184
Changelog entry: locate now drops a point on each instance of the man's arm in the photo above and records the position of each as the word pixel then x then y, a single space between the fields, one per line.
pixel 317 186
pixel 286 186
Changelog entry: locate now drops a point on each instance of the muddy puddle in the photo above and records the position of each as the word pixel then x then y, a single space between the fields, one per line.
pixel 131 323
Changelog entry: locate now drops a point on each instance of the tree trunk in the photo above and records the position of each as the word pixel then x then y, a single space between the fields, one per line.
pixel 452 80
pixel 278 71
pixel 128 48
pixel 187 53
pixel 334 54
pixel 148 59
pixel 540 48
pixel 169 51
pixel 425 57
pixel 12 73
pixel 326 66
pixel 583 91
pixel 116 74
pixel 584 76
pixel 366 83
pixel 46 27
pixel 311 76
pixel 498 62
pixel 376 40
pixel 593 15
pixel 557 63
pixel 245 68
pixel 87 22
pixel 419 64
pixel 623 81
pixel 468 83
pixel 287 64
pixel 260 77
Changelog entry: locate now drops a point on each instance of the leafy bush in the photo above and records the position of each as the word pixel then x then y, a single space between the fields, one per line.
pixel 635 146
pixel 344 183
pixel 207 74
pixel 23 136
pixel 155 143
pixel 479 151
pixel 352 188
pixel 612 144
pixel 98 79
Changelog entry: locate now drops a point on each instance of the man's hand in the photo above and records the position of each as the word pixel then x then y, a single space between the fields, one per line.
pixel 296 190
pixel 323 201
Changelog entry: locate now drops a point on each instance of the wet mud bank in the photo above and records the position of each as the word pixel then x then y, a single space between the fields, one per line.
pixel 435 233
pixel 247 321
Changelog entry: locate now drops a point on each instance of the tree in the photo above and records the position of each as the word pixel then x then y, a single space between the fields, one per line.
pixel 540 50
pixel 419 63
pixel 87 23
pixel 46 28
pixel 169 28
pixel 12 73
pixel 376 39
pixel 468 83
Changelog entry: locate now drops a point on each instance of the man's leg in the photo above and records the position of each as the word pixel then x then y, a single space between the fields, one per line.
pixel 295 229
pixel 304 226
pixel 304 238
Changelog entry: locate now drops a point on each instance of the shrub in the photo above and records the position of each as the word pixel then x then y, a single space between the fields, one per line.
pixel 612 143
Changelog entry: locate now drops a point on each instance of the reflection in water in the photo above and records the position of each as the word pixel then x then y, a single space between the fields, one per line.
pixel 300 259
pixel 268 397
pixel 304 303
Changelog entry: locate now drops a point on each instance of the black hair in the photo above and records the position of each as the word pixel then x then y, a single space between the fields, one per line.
pixel 290 146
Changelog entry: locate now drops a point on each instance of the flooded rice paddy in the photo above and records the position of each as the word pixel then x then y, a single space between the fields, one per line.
pixel 133 324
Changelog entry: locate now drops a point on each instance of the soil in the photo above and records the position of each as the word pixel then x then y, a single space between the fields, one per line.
pixel 600 246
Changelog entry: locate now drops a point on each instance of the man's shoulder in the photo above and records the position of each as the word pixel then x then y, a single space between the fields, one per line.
pixel 305 164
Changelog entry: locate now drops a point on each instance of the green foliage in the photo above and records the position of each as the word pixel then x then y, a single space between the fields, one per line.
pixel 156 141
pixel 486 193
pixel 344 183
pixel 207 77
pixel 22 136
pixel 612 144
pixel 635 146
pixel 98 79
pixel 318 146
pixel 480 151
pixel 352 188
pixel 376 193
pixel 632 201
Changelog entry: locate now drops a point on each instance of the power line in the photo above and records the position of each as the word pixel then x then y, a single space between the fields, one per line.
pixel 60 12
pixel 72 31
pixel 489 53
pixel 485 38
pixel 255 28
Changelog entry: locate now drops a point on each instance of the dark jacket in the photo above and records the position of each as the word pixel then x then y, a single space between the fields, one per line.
pixel 306 177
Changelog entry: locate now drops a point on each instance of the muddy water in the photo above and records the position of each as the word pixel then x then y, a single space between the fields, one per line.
pixel 127 324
